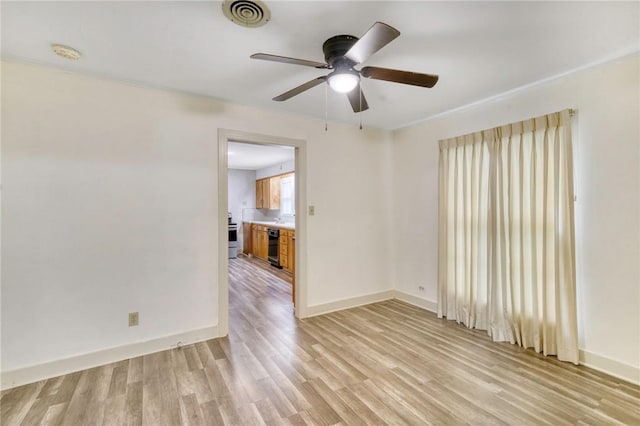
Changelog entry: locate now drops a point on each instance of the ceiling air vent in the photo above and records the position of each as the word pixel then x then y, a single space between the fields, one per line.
pixel 246 13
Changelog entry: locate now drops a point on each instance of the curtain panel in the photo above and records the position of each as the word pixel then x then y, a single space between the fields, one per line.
pixel 506 234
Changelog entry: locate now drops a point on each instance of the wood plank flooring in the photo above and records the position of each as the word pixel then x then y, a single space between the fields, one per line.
pixel 385 363
pixel 283 274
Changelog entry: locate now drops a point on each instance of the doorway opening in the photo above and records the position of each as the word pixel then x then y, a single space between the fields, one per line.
pixel 261 194
pixel 262 190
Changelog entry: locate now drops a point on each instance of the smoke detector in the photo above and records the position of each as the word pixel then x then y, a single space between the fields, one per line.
pixel 246 13
pixel 65 51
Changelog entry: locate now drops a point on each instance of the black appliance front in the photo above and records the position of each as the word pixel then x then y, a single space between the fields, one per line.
pixel 274 252
pixel 233 232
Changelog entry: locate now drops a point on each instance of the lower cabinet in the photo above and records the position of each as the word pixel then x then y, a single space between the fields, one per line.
pixel 254 239
pixel 286 249
pixel 259 241
pixel 292 251
pixel 246 237
pixel 264 243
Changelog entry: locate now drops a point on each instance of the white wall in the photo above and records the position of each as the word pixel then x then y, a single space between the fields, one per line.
pixel 110 206
pixel 242 195
pixel 278 169
pixel 607 162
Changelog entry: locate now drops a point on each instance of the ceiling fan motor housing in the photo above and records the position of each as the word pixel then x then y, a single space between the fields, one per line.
pixel 336 47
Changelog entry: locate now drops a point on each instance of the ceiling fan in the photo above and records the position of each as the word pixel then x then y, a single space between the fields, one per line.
pixel 342 53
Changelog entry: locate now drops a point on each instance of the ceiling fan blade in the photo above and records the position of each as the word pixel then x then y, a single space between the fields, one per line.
pixel 297 90
pixel 357 99
pixel 377 37
pixel 397 76
pixel 287 60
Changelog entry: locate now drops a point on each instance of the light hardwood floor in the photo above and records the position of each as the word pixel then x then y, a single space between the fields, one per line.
pixel 388 362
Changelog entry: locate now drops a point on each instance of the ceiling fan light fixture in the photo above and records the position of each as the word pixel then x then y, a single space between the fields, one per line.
pixel 343 81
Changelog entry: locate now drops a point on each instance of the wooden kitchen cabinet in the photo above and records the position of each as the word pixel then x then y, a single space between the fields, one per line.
pixel 262 193
pixel 287 252
pixel 246 237
pixel 291 259
pixel 259 202
pixel 283 249
pixel 266 187
pixel 286 249
pixel 268 192
pixel 274 193
pixel 254 239
pixel 259 241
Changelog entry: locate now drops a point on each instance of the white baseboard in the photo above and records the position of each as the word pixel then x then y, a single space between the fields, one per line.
pixel 609 366
pixel 353 302
pixel 34 373
pixel 420 302
pixel 597 362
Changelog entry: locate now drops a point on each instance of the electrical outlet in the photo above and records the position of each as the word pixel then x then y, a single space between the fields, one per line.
pixel 133 319
pixel 312 210
pixel 420 288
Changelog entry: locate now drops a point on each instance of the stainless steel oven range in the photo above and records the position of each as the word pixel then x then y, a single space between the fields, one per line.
pixel 233 239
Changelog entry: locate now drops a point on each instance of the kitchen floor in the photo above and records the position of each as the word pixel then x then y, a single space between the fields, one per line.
pixel 243 259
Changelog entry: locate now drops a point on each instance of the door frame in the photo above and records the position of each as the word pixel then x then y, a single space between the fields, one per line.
pixel 224 136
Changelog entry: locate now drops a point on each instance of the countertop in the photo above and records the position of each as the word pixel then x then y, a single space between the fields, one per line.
pixel 289 226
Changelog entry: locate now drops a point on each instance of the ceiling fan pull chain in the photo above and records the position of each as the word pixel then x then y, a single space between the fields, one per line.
pixel 326 101
pixel 360 114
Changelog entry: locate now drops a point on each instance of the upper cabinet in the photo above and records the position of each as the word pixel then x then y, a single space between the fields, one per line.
pixel 274 193
pixel 262 193
pixel 268 192
pixel 259 195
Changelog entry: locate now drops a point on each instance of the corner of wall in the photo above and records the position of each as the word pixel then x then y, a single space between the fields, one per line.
pixel 429 305
pixel 353 302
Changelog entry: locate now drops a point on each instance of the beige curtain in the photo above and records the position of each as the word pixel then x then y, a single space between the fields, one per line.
pixel 506 240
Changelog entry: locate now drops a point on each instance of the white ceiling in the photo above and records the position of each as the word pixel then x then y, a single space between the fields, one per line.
pixel 246 156
pixel 479 49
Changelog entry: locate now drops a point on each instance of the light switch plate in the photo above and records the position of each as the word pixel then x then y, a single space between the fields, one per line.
pixel 312 210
